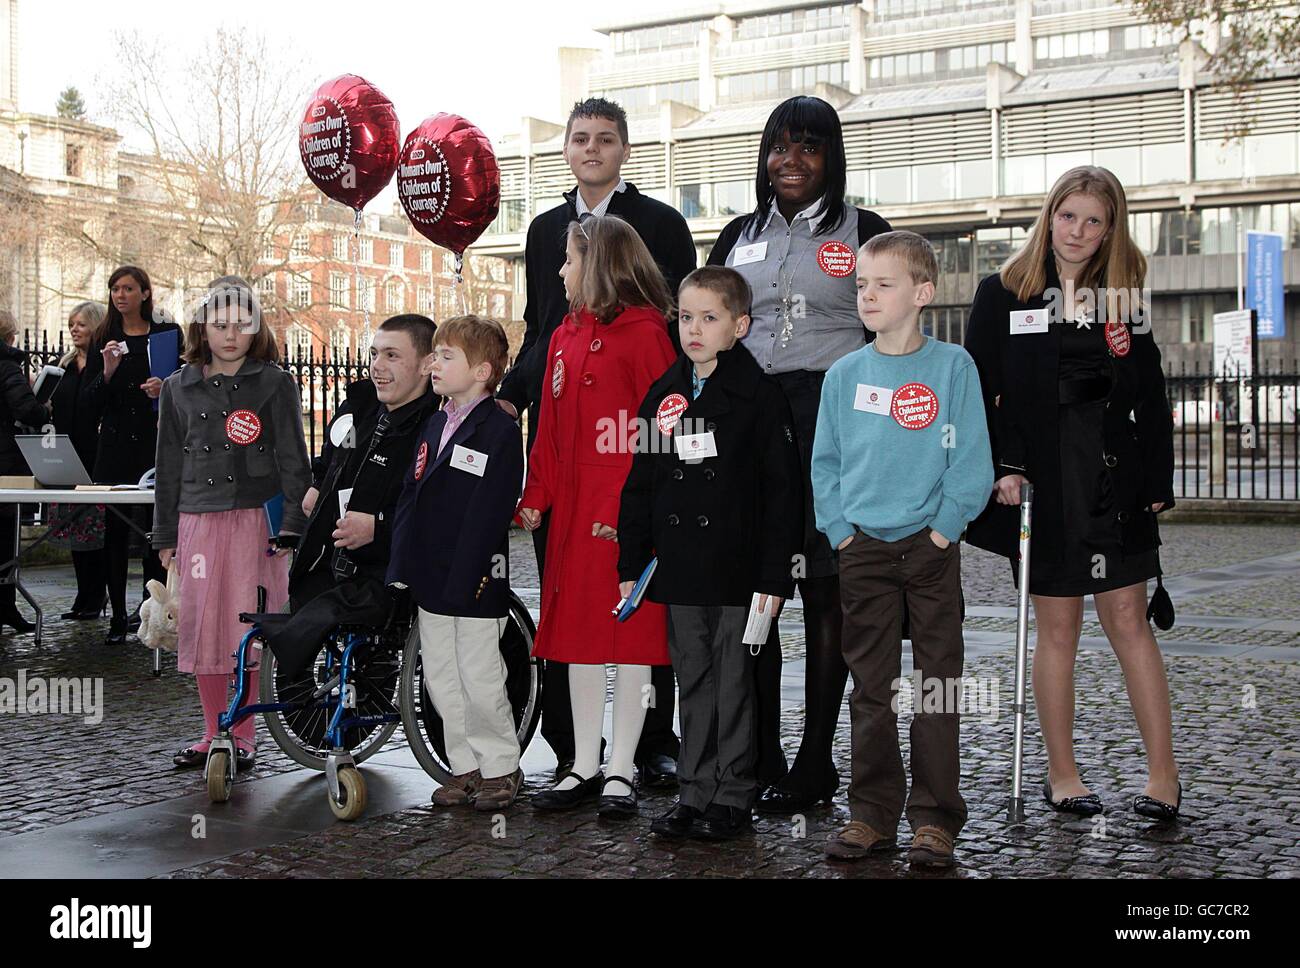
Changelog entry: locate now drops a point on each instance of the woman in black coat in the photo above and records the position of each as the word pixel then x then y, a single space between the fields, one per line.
pixel 17 405
pixel 77 416
pixel 1076 405
pixel 120 385
pixel 798 251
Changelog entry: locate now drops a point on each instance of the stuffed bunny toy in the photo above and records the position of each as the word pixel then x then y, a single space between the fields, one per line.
pixel 158 614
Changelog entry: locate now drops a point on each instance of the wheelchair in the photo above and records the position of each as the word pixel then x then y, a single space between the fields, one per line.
pixel 346 705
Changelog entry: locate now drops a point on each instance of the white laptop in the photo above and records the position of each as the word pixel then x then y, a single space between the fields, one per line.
pixel 53 460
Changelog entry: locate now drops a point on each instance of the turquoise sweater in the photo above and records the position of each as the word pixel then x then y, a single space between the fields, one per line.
pixel 902 443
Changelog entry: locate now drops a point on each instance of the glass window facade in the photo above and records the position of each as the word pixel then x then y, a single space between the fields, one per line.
pixel 769 85
pixel 938 65
pixel 793 22
pixel 716 199
pixel 1133 165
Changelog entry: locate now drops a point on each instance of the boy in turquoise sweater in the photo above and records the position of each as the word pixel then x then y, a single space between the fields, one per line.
pixel 901 463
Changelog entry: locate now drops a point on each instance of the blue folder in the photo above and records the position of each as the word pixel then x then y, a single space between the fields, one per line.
pixel 633 601
pixel 274 509
pixel 164 354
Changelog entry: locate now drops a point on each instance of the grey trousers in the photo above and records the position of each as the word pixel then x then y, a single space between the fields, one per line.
pixel 715 686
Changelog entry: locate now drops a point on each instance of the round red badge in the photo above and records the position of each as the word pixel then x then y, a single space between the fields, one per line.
pixel 915 406
pixel 421 459
pixel 670 411
pixel 557 379
pixel 1118 338
pixel 243 427
pixel 837 259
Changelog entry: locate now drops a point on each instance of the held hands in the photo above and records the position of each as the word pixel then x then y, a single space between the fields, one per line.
pixel 356 529
pixel 152 387
pixel 309 501
pixel 165 557
pixel 1008 488
pixel 531 518
pixel 599 530
pixel 776 601
pixel 625 589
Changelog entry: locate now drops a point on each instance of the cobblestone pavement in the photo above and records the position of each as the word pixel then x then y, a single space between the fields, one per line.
pixel 1237 732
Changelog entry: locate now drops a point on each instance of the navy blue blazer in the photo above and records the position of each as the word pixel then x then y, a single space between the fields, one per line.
pixel 451 525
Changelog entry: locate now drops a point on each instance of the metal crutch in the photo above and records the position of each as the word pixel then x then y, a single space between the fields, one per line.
pixel 1016 804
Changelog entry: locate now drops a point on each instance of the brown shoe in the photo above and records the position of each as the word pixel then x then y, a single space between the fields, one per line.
pixel 499 792
pixel 459 791
pixel 856 840
pixel 931 847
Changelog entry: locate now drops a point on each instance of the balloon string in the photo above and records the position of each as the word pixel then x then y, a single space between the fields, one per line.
pixel 364 348
pixel 461 299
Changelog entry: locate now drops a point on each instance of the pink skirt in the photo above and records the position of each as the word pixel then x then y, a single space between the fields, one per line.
pixel 221 560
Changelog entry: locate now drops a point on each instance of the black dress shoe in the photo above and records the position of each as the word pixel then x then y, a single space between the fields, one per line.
pixel 724 823
pixel 244 759
pixel 1157 809
pixel 1086 806
pixel 116 631
pixel 776 800
pixel 584 792
pixel 133 623
pixel 614 807
pixel 189 758
pixel 677 822
pixel 658 771
pixel 13 618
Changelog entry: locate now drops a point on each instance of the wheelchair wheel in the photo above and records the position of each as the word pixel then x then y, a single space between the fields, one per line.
pixel 352 794
pixel 300 731
pixel 219 777
pixel 423 725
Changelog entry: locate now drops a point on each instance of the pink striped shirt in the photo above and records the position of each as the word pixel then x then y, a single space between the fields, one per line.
pixel 455 417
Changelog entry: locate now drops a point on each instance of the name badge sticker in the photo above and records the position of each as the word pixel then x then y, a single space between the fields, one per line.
pixel 695 446
pixel 871 399
pixel 748 254
pixel 471 461
pixel 1029 321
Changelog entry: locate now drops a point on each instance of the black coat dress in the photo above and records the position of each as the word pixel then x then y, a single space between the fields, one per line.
pixel 1090 428
pixel 17 405
pixel 128 432
pixel 723 527
pixel 76 413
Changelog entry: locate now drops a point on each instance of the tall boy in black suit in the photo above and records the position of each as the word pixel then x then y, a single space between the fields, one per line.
pixel 450 548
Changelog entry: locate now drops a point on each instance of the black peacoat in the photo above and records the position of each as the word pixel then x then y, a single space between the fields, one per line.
pixel 1020 379
pixel 722 527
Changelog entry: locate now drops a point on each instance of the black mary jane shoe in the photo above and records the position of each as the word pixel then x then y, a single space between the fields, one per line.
pixel 584 792
pixel 116 631
pixel 1085 806
pixel 677 822
pixel 658 771
pixel 775 800
pixel 190 758
pixel 244 759
pixel 724 823
pixel 617 807
pixel 1146 806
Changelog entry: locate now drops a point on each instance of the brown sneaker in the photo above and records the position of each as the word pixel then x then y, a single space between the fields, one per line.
pixel 856 840
pixel 499 792
pixel 931 847
pixel 459 791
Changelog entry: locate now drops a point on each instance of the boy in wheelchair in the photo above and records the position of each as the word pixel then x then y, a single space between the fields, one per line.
pixel 450 550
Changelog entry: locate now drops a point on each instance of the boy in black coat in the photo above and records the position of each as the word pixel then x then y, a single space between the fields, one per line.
pixel 715 493
pixel 450 548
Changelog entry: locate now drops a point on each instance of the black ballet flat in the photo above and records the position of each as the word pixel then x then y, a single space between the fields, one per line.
pixel 190 758
pixel 244 759
pixel 1157 809
pixel 1085 806
pixel 617 807
pixel 584 792
pixel 775 800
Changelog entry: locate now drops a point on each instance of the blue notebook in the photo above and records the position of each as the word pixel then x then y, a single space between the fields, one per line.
pixel 164 355
pixel 274 509
pixel 629 605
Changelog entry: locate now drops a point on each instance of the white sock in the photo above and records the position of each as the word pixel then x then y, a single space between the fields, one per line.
pixel 587 702
pixel 630 692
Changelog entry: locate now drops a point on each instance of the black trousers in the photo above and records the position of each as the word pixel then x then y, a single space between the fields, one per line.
pixel 92 579
pixel 117 544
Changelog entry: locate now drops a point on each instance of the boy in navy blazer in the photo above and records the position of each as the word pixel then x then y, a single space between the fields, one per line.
pixel 450 548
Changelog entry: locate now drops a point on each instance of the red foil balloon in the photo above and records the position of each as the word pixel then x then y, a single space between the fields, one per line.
pixel 449 182
pixel 349 140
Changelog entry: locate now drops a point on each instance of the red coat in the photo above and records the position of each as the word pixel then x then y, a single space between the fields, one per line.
pixel 597 375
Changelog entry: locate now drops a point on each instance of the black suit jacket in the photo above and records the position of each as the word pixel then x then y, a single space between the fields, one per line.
pixel 726 526
pixel 451 530
pixel 661 228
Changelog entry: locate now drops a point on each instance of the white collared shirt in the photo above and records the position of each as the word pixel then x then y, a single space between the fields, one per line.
pixel 603 205
pixel 813 223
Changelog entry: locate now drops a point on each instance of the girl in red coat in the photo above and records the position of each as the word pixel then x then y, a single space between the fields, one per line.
pixel 602 361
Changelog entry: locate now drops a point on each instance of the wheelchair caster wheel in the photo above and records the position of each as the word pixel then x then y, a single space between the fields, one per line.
pixel 352 794
pixel 219 776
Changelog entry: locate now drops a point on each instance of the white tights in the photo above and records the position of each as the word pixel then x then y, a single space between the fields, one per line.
pixel 587 697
